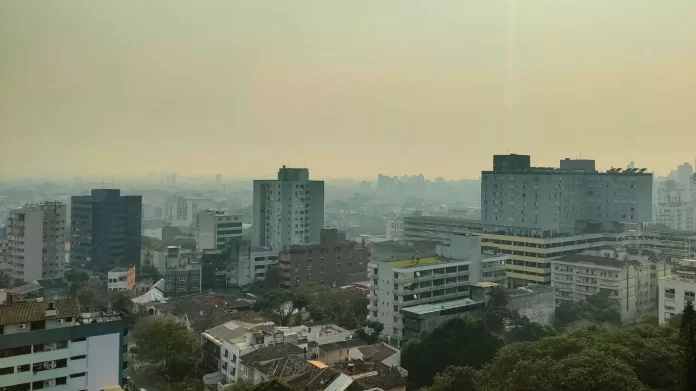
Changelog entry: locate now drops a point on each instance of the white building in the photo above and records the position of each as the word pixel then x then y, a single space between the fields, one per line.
pixel 395 229
pixel 121 279
pixel 181 211
pixel 51 345
pixel 252 266
pixel 287 211
pixel 628 279
pixel 215 228
pixel 36 241
pixel 674 290
pixel 678 216
pixel 401 284
pixel 540 201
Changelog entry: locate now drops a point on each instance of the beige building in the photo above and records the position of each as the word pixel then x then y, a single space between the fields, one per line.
pixel 36 241
pixel 630 280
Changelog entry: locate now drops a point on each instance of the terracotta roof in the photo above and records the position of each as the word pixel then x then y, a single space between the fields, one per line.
pixel 273 352
pixel 285 367
pixel 315 380
pixel 31 311
pixel 377 352
pixel 372 374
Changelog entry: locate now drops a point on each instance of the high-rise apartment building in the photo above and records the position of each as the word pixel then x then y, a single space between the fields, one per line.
pixel 526 200
pixel 52 345
pixel 215 229
pixel 287 211
pixel 36 241
pixel 106 230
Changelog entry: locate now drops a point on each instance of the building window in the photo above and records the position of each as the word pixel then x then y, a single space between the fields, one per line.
pixel 6 371
pixel 61 381
pixel 78 339
pixel 81 374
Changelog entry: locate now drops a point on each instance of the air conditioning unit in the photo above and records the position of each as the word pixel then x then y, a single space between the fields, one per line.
pixel 49 383
pixel 60 321
pixel 22 326
pixel 51 365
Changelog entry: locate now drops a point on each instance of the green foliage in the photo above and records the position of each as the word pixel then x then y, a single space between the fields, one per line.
pixel 279 305
pixel 371 335
pixel 273 385
pixel 687 337
pixel 347 308
pixel 599 309
pixel 527 331
pixel 76 281
pixel 121 302
pixel 458 342
pixel 164 341
pixel 636 358
pixel 187 384
pixel 497 298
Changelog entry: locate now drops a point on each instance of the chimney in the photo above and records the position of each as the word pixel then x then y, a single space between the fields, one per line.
pixel 51 309
pixel 305 352
pixel 351 367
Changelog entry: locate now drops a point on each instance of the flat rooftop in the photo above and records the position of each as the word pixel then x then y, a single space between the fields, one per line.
pixel 415 262
pixel 430 308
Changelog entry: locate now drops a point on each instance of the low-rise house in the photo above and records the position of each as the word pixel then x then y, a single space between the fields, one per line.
pixel 676 289
pixel 386 354
pixel 142 286
pixel 331 353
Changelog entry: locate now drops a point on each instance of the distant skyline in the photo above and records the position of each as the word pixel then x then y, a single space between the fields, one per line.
pixel 123 88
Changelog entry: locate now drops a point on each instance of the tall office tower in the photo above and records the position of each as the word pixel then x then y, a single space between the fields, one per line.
pixel 105 229
pixel 215 229
pixel 287 211
pixel 526 200
pixel 36 242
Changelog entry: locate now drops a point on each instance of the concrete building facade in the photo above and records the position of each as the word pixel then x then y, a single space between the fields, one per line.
pixel 395 229
pixel 539 201
pixel 626 279
pixel 53 346
pixel 333 260
pixel 182 281
pixel 287 211
pixel 215 228
pixel 105 230
pixel 676 289
pixel 121 279
pixel 36 241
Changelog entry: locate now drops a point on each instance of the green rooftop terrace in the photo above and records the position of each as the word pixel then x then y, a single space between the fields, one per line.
pixel 415 262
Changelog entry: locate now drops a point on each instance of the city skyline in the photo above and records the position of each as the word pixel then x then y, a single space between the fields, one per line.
pixel 434 89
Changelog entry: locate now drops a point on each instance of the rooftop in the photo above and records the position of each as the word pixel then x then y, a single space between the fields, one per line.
pixel 377 352
pixel 351 343
pixel 415 262
pixel 32 311
pixel 52 283
pixel 371 374
pixel 284 367
pixel 315 380
pixel 119 270
pixel 24 289
pixel 430 308
pixel 599 261
pixel 269 353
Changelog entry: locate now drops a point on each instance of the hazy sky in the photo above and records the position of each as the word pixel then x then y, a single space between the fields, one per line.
pixel 351 87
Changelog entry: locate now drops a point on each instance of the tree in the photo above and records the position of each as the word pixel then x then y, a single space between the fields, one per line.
pixel 187 384
pixel 497 298
pixel 456 379
pixel 637 358
pixel 447 345
pixel 599 309
pixel 121 302
pixel 279 305
pixel 687 336
pixel 166 342
pixel 273 385
pixel 529 332
pixel 370 333
pixel 77 280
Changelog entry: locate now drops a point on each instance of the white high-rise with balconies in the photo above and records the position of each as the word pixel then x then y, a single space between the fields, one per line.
pixel 36 241
pixel 287 211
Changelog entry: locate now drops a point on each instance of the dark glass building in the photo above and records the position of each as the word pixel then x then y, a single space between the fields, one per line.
pixel 105 230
